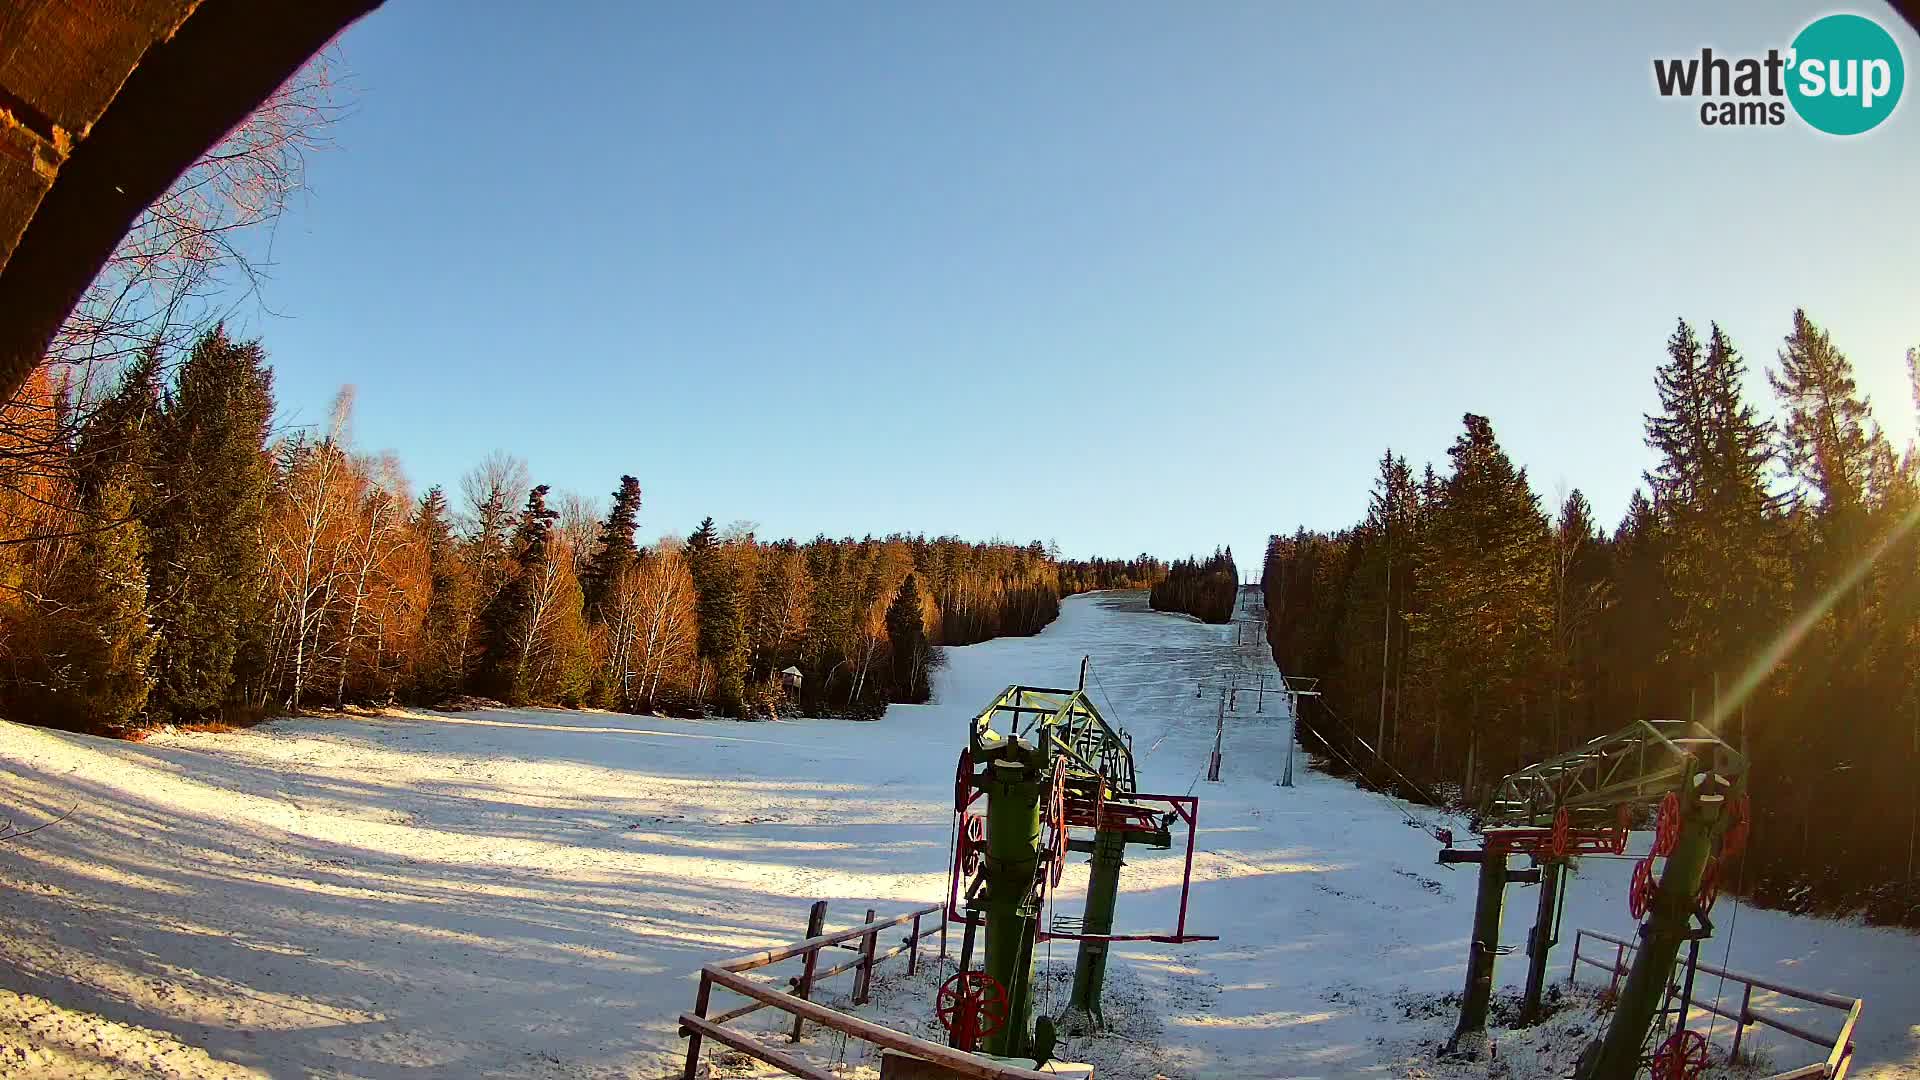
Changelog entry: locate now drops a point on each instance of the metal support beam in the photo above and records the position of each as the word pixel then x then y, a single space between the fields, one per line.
pixel 1541 942
pixel 1103 889
pixel 1013 786
pixel 1484 946
pixel 1617 1055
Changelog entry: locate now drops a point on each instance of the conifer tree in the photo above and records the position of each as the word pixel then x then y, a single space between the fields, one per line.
pixel 722 616
pixel 1485 574
pixel 210 471
pixel 1710 491
pixel 1841 465
pixel 94 643
pixel 616 550
pixel 907 641
pixel 441 664
pixel 507 624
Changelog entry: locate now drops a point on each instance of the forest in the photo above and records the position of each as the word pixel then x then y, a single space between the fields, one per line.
pixel 1764 579
pixel 1205 589
pixel 171 559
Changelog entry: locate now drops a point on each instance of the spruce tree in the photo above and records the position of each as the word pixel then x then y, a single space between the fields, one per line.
pixel 907 643
pixel 1486 576
pixel 616 550
pixel 210 474
pixel 722 616
pixel 1841 465
pixel 1710 491
pixel 506 626
pixel 440 665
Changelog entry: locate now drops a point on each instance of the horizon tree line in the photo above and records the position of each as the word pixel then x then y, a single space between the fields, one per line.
pixel 175 561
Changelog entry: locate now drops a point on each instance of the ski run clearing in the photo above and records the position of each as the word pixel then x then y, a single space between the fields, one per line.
pixel 528 893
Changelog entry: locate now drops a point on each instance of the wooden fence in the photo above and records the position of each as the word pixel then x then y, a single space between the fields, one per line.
pixel 730 975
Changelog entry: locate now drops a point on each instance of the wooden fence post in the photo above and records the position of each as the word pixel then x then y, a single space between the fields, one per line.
pixel 693 1038
pixel 1740 1029
pixel 816 925
pixel 863 975
pixel 913 947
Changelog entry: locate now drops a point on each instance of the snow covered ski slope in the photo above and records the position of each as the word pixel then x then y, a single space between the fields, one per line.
pixel 526 893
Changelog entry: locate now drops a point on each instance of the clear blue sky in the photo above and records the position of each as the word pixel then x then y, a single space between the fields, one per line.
pixel 1132 276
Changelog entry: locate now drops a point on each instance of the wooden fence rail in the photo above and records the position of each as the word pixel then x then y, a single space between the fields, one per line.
pixel 1839 1046
pixel 729 975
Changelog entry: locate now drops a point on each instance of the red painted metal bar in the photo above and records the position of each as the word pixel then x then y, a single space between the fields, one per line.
pixel 1165 939
pixel 1187 807
pixel 1186 875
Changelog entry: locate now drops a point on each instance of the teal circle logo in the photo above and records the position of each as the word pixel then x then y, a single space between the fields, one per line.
pixel 1847 74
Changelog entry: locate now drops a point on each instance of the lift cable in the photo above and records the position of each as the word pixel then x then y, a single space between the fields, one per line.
pixel 1405 808
pixel 1726 958
pixel 1378 756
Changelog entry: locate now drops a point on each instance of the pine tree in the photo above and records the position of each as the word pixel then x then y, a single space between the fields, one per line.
pixel 1841 465
pixel 507 625
pixel 616 550
pixel 94 643
pixel 907 642
pixel 441 664
pixel 1710 491
pixel 722 616
pixel 210 472
pixel 1828 439
pixel 1485 575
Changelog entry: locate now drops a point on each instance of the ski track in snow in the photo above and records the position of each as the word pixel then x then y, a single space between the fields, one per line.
pixel 527 893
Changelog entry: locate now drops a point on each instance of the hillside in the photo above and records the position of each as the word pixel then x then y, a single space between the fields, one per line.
pixel 525 893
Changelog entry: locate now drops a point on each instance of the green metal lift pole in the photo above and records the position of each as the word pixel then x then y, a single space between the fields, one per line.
pixel 1013 785
pixel 1486 941
pixel 1541 941
pixel 1618 1054
pixel 1103 889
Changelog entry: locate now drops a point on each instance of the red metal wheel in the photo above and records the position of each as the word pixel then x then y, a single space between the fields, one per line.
pixel 1622 828
pixel 971 1005
pixel 1057 809
pixel 1641 891
pixel 1666 826
pixel 1709 887
pixel 1682 1057
pixel 963 781
pixel 1562 826
pixel 1734 840
pixel 973 841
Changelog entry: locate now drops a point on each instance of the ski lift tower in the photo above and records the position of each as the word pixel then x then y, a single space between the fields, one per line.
pixel 1297 687
pixel 1584 801
pixel 1054 765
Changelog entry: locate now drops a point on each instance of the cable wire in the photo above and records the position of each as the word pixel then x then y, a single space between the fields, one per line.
pixel 1726 958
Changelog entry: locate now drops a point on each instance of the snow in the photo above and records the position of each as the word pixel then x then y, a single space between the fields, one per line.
pixel 527 893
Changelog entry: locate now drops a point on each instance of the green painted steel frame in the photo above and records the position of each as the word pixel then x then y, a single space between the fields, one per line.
pixel 1073 729
pixel 1640 762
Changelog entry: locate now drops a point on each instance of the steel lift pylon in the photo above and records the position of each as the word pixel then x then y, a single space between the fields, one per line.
pixel 1054 765
pixel 1585 801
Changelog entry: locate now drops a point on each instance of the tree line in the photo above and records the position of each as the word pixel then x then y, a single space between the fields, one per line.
pixel 1206 589
pixel 1764 579
pixel 169 558
pixel 1143 571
